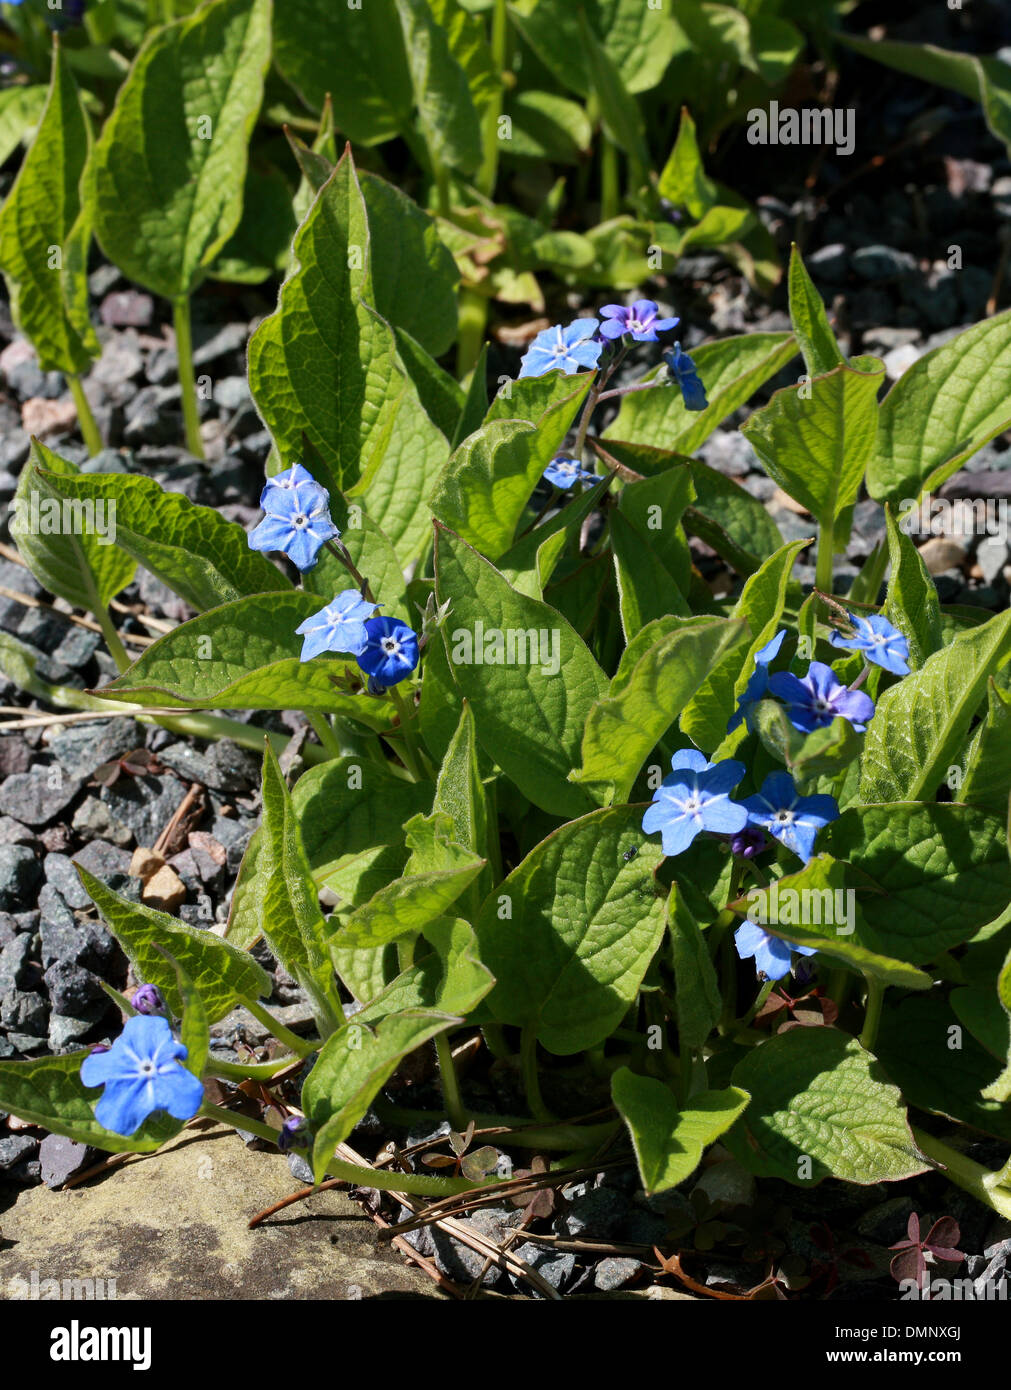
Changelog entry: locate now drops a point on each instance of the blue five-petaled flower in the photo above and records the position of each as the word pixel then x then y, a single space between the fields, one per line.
pixel 758 681
pixel 684 372
pixel 339 627
pixel 814 701
pixel 792 819
pixel 641 321
pixel 772 956
pixel 880 642
pixel 569 348
pixel 695 797
pixel 141 1073
pixel 390 653
pixel 297 519
pixel 563 473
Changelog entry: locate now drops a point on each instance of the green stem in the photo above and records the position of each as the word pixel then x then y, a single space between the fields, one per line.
pixel 255 1071
pixel 823 567
pixel 408 749
pixel 90 432
pixel 839 982
pixel 760 999
pixel 328 739
pixel 112 637
pixel 964 1173
pixel 872 1016
pixel 450 1083
pixel 300 1046
pixel 168 11
pixel 610 197
pixel 237 1121
pixel 187 381
pixel 473 320
pixel 531 1080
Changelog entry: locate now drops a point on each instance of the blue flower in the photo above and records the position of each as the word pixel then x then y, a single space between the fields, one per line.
pixel 682 368
pixel 141 1074
pixel 339 627
pixel 695 797
pixel 758 681
pixel 772 956
pixel 390 652
pixel 298 517
pixel 640 321
pixel 812 703
pixel 569 348
pixel 792 819
pixel 879 641
pixel 562 472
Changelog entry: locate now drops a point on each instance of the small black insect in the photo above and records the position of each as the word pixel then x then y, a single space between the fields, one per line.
pixel 630 854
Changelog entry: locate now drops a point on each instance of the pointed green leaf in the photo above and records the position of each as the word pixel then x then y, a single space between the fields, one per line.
pixel 460 794
pixel 446 975
pixel 697 989
pixel 68 546
pixel 570 933
pixel 987 780
pixel 446 112
pixel 168 170
pixel 920 724
pixel 810 322
pixel 37 222
pixel 911 602
pixel 669 1142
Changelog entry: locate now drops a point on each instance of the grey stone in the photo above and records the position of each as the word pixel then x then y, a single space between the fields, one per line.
pixel 599 1213
pixel 992 555
pixel 77 648
pixel 59 1158
pixel 829 263
pixel 38 796
pixel 876 263
pixel 223 767
pixel 554 1266
pixel 16 968
pixel 15 755
pixel 231 392
pixel 93 821
pixel 614 1273
pixel 231 338
pixel 60 872
pixel 300 1170
pixel 463 1264
pixel 24 1012
pixel 883 339
pixel 15 1148
pixel 66 1034
pixel 730 453
pixel 127 309
pixel 144 805
pixel 72 988
pixel 20 873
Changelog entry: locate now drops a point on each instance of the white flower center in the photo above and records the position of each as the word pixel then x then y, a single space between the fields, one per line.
pixel 299 521
pixel 390 645
pixel 784 817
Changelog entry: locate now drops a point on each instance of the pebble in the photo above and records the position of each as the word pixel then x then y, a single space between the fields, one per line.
pixel 82 748
pixel 20 873
pixel 614 1272
pixel 941 553
pixel 61 1157
pixel 38 796
pixel 60 872
pixel 143 805
pixel 876 263
pixel 72 988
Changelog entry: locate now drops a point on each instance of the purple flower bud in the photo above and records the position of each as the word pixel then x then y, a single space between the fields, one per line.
pixel 748 843
pixel 294 1134
pixel 98 1047
pixel 148 1000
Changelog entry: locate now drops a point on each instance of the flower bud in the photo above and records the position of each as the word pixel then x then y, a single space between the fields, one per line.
pixel 294 1134
pixel 148 1000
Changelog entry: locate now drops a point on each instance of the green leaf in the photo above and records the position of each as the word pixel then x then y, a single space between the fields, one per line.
pixel 487 483
pixel 20 112
pixel 438 871
pixel 817 1095
pixel 655 507
pixel 813 907
pixel 985 80
pixel 459 794
pixel 823 752
pixel 939 1065
pixel 547 126
pixel 660 669
pixel 372 555
pixel 260 245
pixel 47 1091
pixel 168 170
pixel 928 876
pixel 38 220
pixel 669 1142
pixel 570 933
pixel 948 404
pixel 354 56
pixel 446 975
pixel 352 1066
pixel 706 715
pixel 446 113
pixel 920 724
pixel 638 39
pixel 67 545
pixel 697 989
pixel 200 556
pixel 810 322
pixel 683 181
pixel 815 440
pixel 732 370
pixel 244 655
pixel 911 602
pixel 194 1031
pixel 619 110
pixel 529 715
pixel 530 562
pixel 728 518
pixel 221 974
pixel 646 589
pixel 987 780
pixel 289 900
